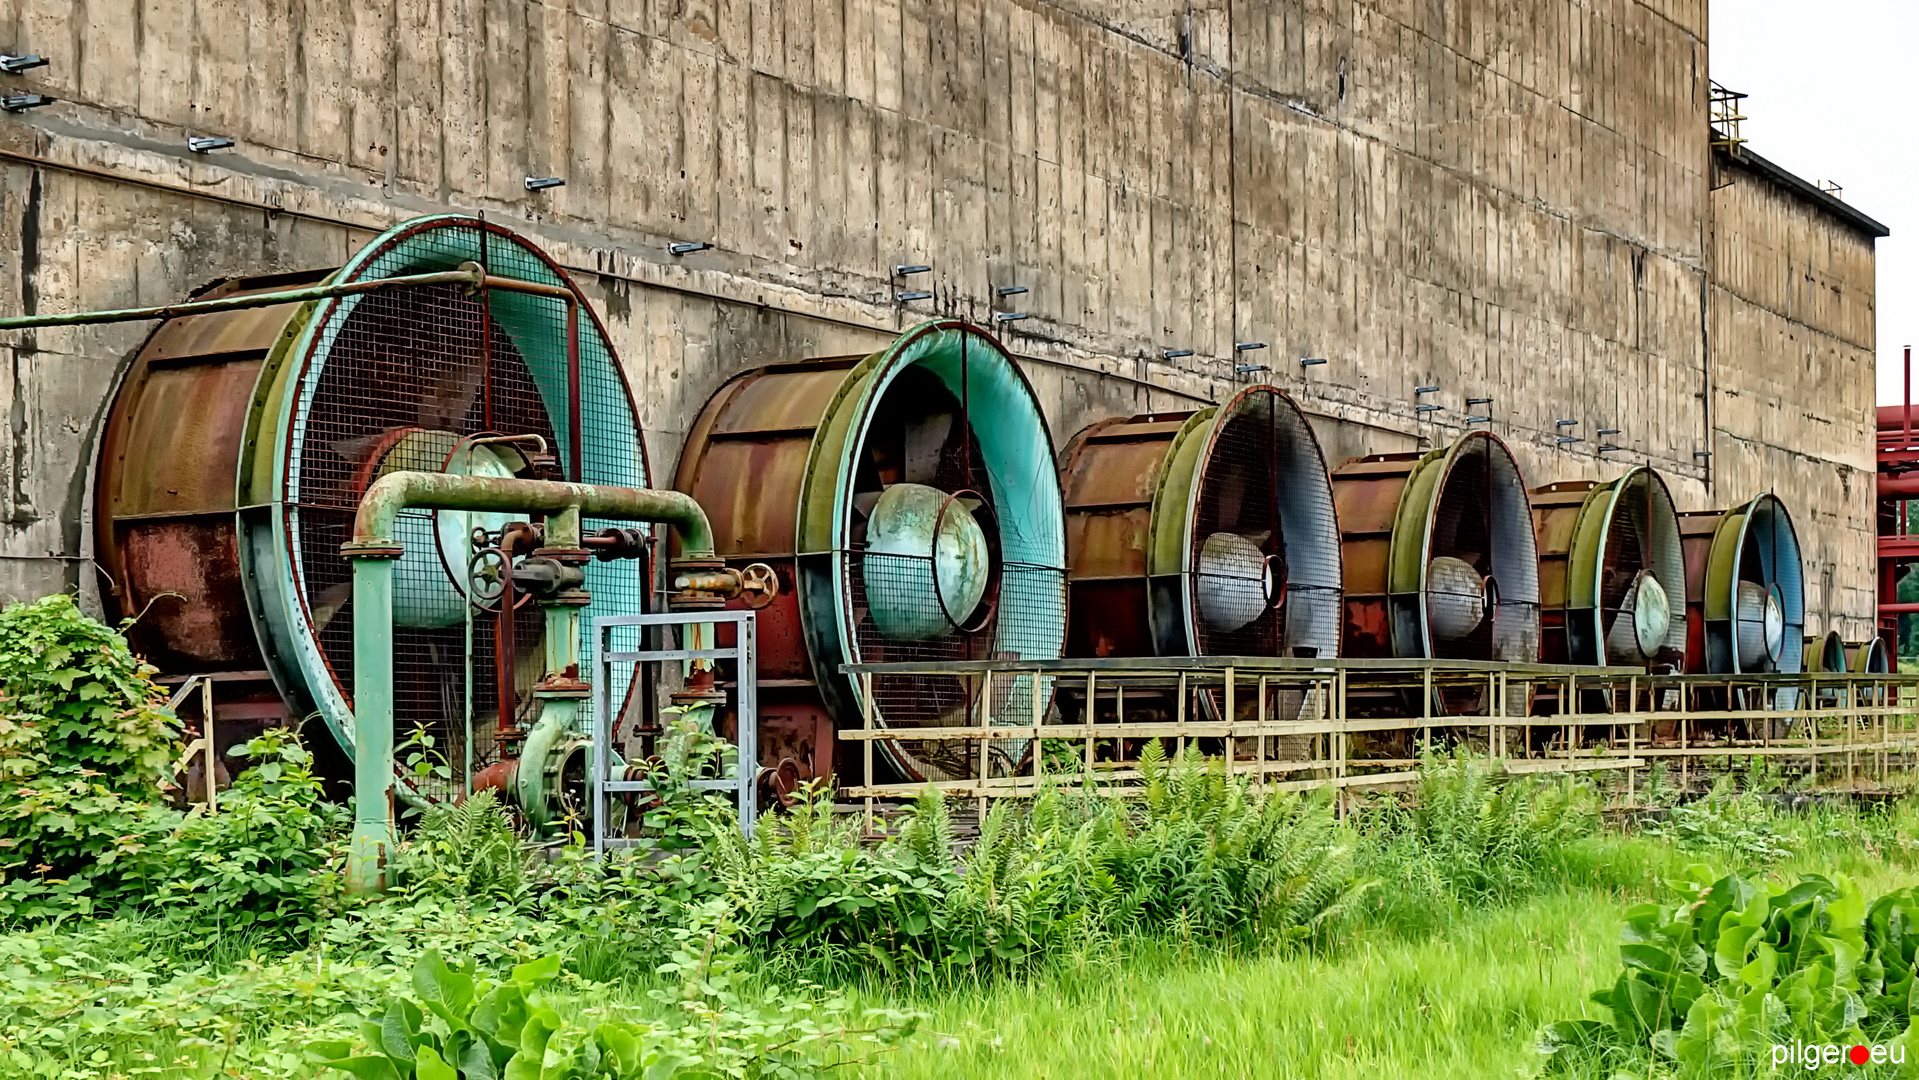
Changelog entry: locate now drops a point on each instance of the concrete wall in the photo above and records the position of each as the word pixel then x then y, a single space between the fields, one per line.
pixel 1791 332
pixel 1506 206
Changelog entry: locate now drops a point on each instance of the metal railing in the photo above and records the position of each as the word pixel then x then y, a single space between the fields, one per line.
pixel 608 780
pixel 1297 724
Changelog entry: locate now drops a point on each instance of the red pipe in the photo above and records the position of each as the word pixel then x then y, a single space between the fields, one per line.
pixel 1898 486
pixel 498 776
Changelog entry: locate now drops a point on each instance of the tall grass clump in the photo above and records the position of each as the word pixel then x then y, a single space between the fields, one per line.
pixel 1201 856
pixel 1470 837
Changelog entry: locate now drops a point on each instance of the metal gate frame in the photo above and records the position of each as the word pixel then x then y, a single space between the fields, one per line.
pixel 745 780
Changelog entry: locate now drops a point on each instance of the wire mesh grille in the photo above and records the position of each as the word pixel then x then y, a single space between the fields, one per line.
pixel 1484 519
pixel 1265 557
pixel 393 381
pixel 922 433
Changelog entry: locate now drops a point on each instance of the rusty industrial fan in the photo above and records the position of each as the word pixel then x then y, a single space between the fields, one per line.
pixel 1612 575
pixel 1440 558
pixel 1203 533
pixel 910 499
pixel 1745 589
pixel 239 444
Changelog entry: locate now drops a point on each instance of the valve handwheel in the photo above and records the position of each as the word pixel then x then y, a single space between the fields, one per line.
pixel 485 577
pixel 758 585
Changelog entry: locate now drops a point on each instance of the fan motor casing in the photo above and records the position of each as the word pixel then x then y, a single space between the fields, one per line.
pixel 196 518
pixel 1724 548
pixel 1138 492
pixel 775 457
pixel 1576 522
pixel 1395 511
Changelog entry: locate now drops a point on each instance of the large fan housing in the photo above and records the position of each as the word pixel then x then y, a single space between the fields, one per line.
pixel 1204 533
pixel 1745 586
pixel 239 444
pixel 1612 578
pixel 1439 554
pixel 911 500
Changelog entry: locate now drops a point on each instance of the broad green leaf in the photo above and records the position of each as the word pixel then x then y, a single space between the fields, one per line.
pixel 366 1067
pixel 440 985
pixel 400 1029
pixel 537 972
pixel 430 1067
pixel 1651 959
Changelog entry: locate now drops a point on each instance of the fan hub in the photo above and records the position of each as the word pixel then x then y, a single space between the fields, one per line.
pixel 927 563
pixel 1762 624
pixel 1237 582
pixel 1457 598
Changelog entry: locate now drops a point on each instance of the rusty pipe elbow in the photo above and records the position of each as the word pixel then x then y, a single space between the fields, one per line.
pixel 373 525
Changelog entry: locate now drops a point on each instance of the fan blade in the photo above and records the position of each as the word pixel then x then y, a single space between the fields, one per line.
pixel 360 447
pixel 925 447
pixel 452 395
pixel 328 602
pixel 864 501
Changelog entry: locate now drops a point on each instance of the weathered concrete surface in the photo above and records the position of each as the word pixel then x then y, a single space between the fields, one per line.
pixel 1506 204
pixel 1791 331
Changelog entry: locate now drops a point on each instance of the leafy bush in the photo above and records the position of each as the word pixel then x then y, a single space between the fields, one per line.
pixel 1733 969
pixel 263 861
pixel 466 1025
pixel 1472 836
pixel 1727 825
pixel 85 744
pixel 112 997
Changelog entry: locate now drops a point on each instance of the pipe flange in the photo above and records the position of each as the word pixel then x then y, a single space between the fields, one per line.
pixel 568 556
pixel 372 549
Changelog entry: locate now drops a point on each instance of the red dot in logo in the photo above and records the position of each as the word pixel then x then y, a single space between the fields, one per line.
pixel 1860 1055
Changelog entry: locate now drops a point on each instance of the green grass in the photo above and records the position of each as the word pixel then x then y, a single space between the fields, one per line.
pixel 1412 984
pixel 1461 994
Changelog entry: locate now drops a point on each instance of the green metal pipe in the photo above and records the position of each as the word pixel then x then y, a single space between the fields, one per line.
pixel 373 551
pixel 471 274
pixel 373 710
pixel 381 505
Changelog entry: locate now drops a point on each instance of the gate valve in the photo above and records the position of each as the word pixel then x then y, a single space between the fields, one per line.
pixel 707 584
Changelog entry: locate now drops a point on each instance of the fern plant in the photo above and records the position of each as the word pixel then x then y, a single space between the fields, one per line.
pixel 464 849
pixel 1478 838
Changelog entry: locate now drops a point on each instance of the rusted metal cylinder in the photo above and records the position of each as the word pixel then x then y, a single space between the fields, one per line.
pixel 1202 533
pixel 1826 653
pixel 1407 521
pixel 1871 658
pixel 165 501
pixel 793 463
pixel 1745 589
pixel 239 443
pixel 1612 578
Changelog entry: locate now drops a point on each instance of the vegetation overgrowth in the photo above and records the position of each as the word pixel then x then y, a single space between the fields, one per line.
pixel 1204 928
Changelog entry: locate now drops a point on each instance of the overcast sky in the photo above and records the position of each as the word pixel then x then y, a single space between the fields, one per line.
pixel 1833 98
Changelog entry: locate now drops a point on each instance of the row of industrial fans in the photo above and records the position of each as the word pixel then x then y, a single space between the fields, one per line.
pixel 910 502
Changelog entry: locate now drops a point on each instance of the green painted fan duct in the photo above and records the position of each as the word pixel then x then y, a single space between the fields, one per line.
pixel 421 379
pixel 931 527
